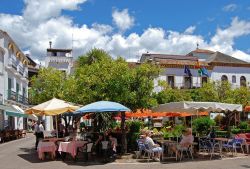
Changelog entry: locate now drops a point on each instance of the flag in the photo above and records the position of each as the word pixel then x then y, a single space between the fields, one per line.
pixel 187 71
pixel 204 71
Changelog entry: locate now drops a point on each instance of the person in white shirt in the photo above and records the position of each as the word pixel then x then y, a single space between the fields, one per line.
pixel 155 148
pixel 39 129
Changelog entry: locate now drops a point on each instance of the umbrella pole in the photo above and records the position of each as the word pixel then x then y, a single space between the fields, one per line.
pixel 56 128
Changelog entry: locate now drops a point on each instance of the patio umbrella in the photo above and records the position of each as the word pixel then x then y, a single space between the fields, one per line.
pixel 101 106
pixel 51 108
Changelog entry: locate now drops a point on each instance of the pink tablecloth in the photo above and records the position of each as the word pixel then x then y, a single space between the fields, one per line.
pixel 46 147
pixel 71 147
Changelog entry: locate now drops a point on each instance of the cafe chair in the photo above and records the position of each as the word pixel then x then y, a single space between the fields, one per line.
pixel 188 150
pixel 86 150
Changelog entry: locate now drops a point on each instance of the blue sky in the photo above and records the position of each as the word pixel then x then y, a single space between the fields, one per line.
pixel 128 25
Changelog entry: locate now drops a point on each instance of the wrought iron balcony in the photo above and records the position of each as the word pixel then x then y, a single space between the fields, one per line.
pixel 17 97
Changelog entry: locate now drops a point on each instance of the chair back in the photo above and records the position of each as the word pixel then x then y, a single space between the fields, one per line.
pixel 141 146
pixel 105 145
pixel 89 147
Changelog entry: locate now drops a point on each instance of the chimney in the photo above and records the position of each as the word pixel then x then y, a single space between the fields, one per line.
pixel 50 44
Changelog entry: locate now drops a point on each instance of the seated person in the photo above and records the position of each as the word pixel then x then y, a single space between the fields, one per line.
pixel 98 144
pixel 113 145
pixel 155 148
pixel 186 141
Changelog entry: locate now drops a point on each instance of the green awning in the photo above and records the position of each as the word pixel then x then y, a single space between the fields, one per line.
pixel 11 111
pixel 16 114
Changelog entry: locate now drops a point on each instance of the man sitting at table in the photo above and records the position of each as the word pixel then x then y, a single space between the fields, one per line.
pixel 186 141
pixel 113 145
pixel 155 148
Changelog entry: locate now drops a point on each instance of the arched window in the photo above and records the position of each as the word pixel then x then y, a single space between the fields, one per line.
pixel 243 81
pixel 233 79
pixel 224 78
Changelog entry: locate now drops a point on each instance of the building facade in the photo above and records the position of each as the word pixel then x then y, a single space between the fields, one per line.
pixel 13 83
pixel 219 67
pixel 60 59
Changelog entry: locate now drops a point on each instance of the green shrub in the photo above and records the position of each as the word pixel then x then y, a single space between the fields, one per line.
pixel 177 131
pixel 135 126
pixel 236 131
pixel 243 125
pixel 202 125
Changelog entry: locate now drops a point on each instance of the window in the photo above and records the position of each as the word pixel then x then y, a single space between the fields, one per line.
pixel 54 54
pixel 170 80
pixel 224 78
pixel 243 81
pixel 233 79
pixel 187 82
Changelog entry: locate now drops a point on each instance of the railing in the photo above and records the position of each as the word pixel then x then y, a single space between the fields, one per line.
pixel 17 97
pixel 14 64
pixel 21 70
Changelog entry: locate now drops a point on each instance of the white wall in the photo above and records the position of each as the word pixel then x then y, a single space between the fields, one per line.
pixel 215 75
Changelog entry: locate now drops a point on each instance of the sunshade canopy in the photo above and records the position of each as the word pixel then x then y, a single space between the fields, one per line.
pixel 247 108
pixel 52 107
pixel 102 106
pixel 194 107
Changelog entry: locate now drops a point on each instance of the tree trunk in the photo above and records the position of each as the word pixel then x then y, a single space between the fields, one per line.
pixel 124 138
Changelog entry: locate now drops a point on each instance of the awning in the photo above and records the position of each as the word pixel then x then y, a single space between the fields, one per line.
pixel 30 116
pixel 12 111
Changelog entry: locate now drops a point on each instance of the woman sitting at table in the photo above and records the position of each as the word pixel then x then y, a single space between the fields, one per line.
pixel 186 141
pixel 155 148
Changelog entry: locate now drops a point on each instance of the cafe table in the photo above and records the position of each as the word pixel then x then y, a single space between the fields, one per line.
pixel 71 147
pixel 221 140
pixel 48 147
pixel 168 144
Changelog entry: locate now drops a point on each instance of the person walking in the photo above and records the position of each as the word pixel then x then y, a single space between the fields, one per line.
pixel 39 129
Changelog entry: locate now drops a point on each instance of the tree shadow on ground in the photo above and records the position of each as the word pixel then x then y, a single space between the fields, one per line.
pixel 31 156
pixel 245 166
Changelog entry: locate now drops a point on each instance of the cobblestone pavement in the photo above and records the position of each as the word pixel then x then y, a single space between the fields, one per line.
pixel 20 154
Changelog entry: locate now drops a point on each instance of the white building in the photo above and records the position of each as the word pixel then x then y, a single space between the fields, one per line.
pixel 219 66
pixel 13 84
pixel 60 59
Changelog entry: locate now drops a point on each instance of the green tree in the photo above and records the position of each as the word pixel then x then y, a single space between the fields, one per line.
pixel 47 84
pixel 93 56
pixel 208 92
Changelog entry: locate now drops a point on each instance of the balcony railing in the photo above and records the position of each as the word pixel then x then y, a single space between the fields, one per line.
pixel 17 97
pixel 21 70
pixel 14 64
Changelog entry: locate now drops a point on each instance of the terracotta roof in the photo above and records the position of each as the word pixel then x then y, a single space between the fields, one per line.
pixel 168 56
pixel 201 51
pixel 219 57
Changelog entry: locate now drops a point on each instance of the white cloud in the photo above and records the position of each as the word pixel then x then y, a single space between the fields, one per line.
pixel 35 36
pixel 229 8
pixel 190 30
pixel 41 10
pixel 122 19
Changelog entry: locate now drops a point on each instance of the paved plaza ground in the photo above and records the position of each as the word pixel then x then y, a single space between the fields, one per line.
pixel 20 154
